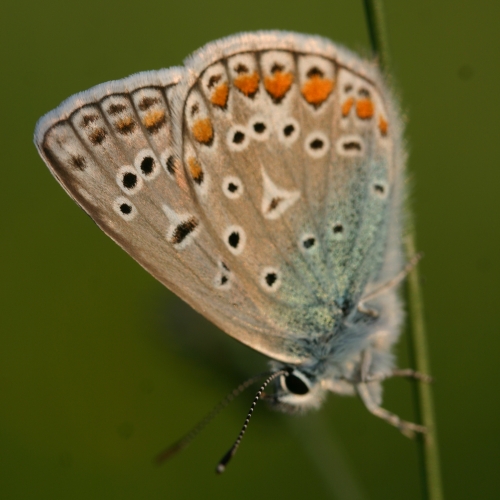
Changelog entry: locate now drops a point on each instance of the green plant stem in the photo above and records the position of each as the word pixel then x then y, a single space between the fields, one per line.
pixel 428 444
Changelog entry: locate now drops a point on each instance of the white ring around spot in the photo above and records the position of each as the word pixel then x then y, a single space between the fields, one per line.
pixel 348 139
pixel 128 169
pixel 339 236
pixel 143 153
pixel 306 237
pixel 263 279
pixel 234 146
pixel 259 136
pixel 235 181
pixel 288 139
pixel 320 152
pixel 241 242
pixel 382 195
pixel 121 200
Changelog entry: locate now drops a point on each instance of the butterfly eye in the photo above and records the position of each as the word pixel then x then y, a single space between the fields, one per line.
pixel 296 383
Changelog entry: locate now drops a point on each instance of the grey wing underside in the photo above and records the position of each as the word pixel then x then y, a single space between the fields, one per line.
pixel 154 160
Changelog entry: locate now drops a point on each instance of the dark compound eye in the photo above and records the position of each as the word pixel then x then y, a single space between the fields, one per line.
pixel 295 385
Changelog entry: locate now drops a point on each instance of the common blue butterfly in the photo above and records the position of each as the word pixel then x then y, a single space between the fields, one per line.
pixel 263 183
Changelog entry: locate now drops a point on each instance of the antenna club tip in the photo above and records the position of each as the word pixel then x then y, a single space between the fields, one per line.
pixel 220 468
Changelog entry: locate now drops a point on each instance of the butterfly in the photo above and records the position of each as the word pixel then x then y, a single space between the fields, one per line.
pixel 263 183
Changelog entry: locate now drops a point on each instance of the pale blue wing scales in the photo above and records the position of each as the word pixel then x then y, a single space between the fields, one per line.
pixel 365 188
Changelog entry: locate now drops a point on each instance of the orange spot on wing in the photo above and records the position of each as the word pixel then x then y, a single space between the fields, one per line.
pixel 196 170
pixel 364 109
pixel 219 95
pixel 125 125
pixel 279 84
pixel 247 84
pixel 202 130
pixel 383 125
pixel 154 120
pixel 347 105
pixel 317 89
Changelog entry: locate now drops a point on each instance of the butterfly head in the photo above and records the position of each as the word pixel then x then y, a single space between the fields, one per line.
pixel 296 391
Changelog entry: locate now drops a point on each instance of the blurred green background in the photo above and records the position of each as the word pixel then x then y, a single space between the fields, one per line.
pixel 101 367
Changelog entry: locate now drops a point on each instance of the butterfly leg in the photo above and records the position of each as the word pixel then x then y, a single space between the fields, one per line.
pixel 409 373
pixel 387 286
pixel 407 428
pixel 365 377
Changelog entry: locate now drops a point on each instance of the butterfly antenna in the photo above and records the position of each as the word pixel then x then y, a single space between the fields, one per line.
pixel 221 467
pixel 180 444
